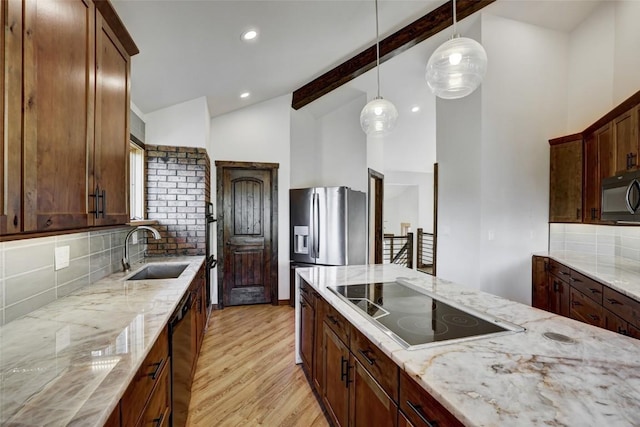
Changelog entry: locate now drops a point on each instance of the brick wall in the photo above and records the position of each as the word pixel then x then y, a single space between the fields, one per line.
pixel 177 188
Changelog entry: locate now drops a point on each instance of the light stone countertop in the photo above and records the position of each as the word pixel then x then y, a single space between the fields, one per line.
pixel 520 379
pixel 618 273
pixel 70 362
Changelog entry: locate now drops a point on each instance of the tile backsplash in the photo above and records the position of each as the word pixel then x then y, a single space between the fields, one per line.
pixel 605 241
pixel 28 279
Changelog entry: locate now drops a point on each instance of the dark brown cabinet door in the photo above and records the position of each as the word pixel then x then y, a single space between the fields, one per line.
pixel 369 405
pixel 599 163
pixel 565 183
pixel 421 408
pixel 540 283
pixel 560 297
pixel 318 351
pixel 307 336
pixel 625 136
pixel 335 394
pixel 58 112
pixel 111 148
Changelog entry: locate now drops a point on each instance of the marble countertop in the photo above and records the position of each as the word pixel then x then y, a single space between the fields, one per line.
pixel 520 379
pixel 69 362
pixel 618 273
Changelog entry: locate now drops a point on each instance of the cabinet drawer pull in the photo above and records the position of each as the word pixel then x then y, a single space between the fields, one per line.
pixel 594 317
pixel 155 372
pixel 575 303
pixel 304 291
pixel 302 303
pixel 622 331
pixel 332 319
pixel 158 421
pixel 573 279
pixel 564 273
pixel 594 290
pixel 365 354
pixel 613 301
pixel 344 371
pixel 418 411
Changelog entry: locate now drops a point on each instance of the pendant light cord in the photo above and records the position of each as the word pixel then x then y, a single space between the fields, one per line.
pixel 454 19
pixel 378 49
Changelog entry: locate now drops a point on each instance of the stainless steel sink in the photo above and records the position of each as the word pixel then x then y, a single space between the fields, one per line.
pixel 159 271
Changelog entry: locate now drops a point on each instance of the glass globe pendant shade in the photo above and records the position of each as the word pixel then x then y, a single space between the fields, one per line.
pixel 456 68
pixel 378 117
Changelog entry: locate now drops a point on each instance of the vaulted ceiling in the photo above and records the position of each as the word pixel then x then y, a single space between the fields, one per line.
pixel 190 49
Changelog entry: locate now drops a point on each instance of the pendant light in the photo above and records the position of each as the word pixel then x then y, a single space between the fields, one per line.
pixel 457 67
pixel 379 116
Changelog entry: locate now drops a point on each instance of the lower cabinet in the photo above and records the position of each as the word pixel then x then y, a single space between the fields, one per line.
pixel 572 294
pixel 420 408
pixel 158 409
pixel 358 383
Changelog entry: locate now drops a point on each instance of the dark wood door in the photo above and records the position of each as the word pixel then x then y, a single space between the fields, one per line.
pixel 625 135
pixel 560 297
pixel 565 182
pixel 58 112
pixel 335 393
pixel 369 405
pixel 111 148
pixel 318 352
pixel 540 284
pixel 248 237
pixel 307 336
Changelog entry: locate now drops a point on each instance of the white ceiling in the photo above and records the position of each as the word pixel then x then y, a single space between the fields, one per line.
pixel 190 49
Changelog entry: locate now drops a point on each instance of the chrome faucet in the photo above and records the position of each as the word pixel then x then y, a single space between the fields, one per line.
pixel 125 258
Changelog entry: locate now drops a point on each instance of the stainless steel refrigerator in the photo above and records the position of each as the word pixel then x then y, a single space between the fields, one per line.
pixel 328 226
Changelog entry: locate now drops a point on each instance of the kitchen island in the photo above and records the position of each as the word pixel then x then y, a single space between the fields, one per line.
pixel 71 361
pixel 521 378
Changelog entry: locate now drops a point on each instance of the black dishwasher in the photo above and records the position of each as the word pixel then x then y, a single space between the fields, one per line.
pixel 181 361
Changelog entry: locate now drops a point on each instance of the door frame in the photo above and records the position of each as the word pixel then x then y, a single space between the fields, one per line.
pixel 375 218
pixel 221 167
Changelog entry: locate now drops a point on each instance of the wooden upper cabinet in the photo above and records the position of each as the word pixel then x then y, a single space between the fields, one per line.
pixel 111 149
pixel 565 185
pixel 58 112
pixel 625 136
pixel 599 163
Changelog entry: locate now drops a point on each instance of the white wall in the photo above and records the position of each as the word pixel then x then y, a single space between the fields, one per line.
pixel 259 133
pixel 184 125
pixel 590 68
pixel 342 147
pixel 304 149
pixel 423 182
pixel 626 77
pixel 493 159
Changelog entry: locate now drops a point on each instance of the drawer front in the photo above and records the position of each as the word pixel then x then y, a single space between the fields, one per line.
pixel 378 364
pixel 337 323
pixel 158 409
pixel 307 292
pixel 585 309
pixel 622 305
pixel 633 331
pixel 420 408
pixel 614 323
pixel 137 394
pixel 587 286
pixel 559 270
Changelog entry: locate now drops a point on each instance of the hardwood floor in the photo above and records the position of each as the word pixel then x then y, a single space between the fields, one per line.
pixel 246 374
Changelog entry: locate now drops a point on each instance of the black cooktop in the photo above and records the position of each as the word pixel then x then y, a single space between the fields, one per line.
pixel 415 318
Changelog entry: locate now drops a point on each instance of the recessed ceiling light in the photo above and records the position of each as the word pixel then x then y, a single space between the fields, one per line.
pixel 250 35
pixel 244 95
pixel 415 109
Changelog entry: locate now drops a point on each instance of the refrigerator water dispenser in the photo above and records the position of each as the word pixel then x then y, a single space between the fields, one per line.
pixel 301 239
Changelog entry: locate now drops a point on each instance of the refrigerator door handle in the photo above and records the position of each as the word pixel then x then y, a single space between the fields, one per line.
pixel 316 226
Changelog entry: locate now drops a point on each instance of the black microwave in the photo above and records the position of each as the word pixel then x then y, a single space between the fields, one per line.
pixel 621 197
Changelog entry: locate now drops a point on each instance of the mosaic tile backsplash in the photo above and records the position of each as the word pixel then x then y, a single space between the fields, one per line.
pixel 605 241
pixel 28 279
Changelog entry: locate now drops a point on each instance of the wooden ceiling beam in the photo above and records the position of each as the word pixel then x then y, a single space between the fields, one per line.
pixel 403 39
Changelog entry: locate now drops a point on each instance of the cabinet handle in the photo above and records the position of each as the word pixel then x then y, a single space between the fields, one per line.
pixel 578 213
pixel 103 196
pixel 613 301
pixel 593 213
pixel 154 374
pixel 418 410
pixel 573 279
pixel 593 317
pixel 628 160
pixel 622 331
pixel 344 363
pixel 594 290
pixel 556 286
pixel 365 354
pixel 158 421
pixel 575 303
pixel 96 202
pixel 632 160
pixel 302 303
pixel 564 273
pixel 349 380
pixel 332 319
